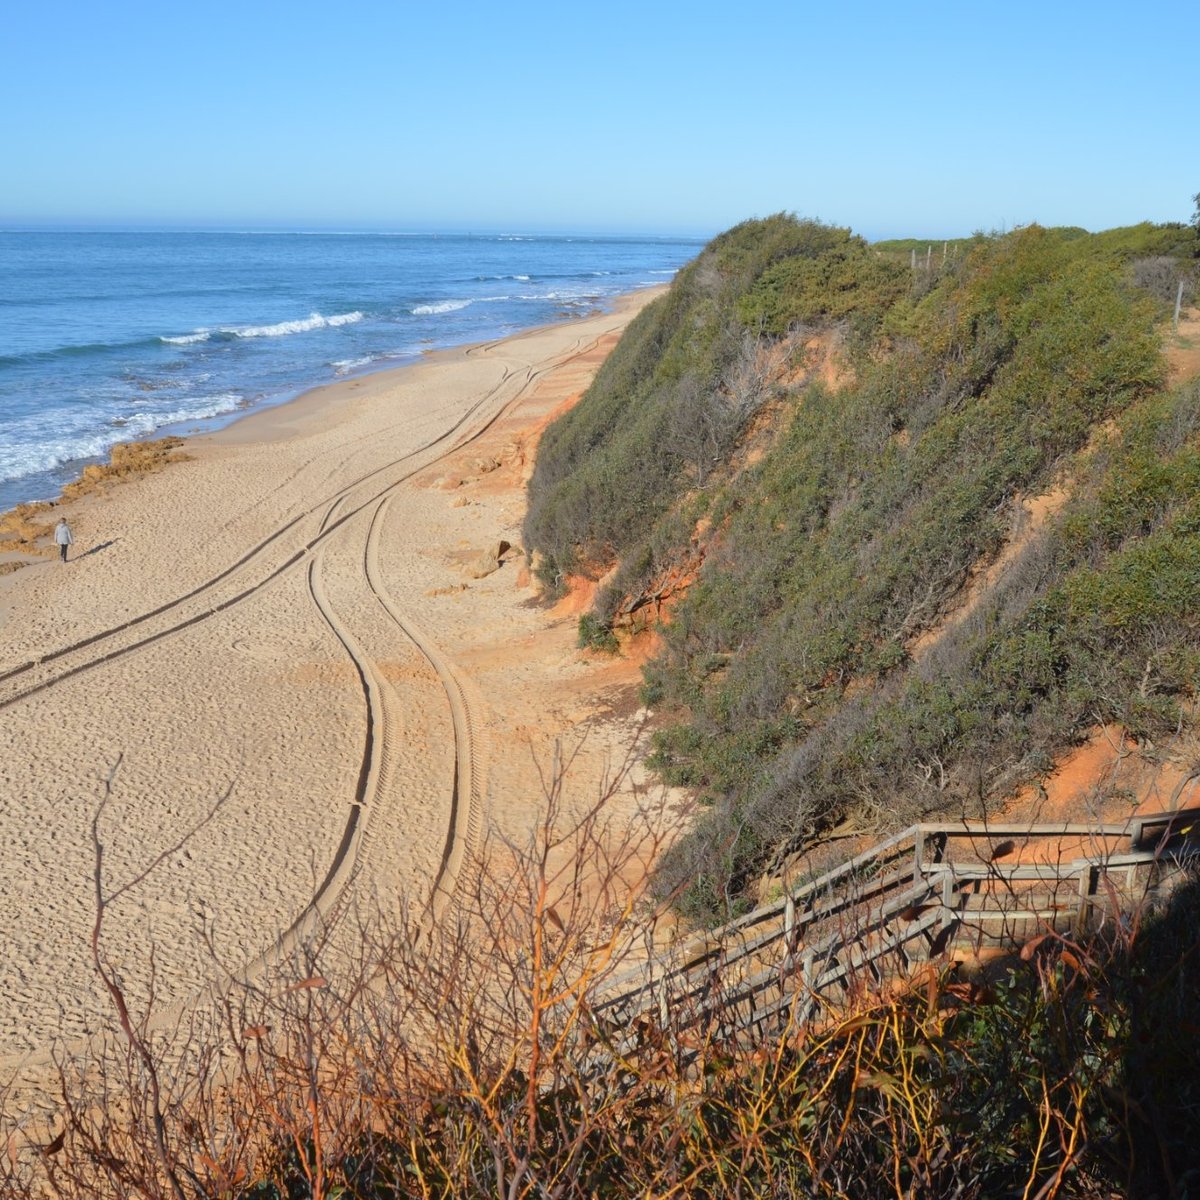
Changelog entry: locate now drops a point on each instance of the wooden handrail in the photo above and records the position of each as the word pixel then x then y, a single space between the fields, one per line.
pixel 896 876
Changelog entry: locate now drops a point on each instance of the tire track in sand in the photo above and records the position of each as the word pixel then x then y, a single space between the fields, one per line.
pixel 377 772
pixel 469 786
pixel 579 347
pixel 255 551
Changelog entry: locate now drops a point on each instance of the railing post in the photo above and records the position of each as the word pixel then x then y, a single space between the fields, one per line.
pixel 948 887
pixel 789 934
pixel 1089 881
pixel 806 977
pixel 1136 833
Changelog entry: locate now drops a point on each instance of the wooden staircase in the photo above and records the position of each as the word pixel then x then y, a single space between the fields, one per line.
pixel 932 889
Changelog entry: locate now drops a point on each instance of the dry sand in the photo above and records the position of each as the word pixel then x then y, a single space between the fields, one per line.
pixel 283 645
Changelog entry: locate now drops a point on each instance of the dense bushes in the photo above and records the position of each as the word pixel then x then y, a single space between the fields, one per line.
pixel 979 379
pixel 668 403
pixel 1042 349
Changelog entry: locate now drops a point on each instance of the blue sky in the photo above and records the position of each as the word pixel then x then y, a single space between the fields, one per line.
pixel 918 119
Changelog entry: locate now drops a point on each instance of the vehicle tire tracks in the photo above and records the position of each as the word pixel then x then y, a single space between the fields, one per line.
pixel 466 705
pixel 531 375
pixel 327 527
pixel 378 774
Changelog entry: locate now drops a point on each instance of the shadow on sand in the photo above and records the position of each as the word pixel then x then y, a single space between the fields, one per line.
pixel 96 549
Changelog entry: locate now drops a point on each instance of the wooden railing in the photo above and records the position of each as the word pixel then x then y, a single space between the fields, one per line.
pixel 908 898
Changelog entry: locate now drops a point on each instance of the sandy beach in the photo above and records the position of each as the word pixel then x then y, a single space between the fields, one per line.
pixel 278 657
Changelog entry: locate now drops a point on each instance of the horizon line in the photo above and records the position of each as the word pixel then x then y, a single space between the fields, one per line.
pixel 35 226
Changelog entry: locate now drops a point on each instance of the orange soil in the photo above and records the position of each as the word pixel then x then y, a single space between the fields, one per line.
pixel 1029 517
pixel 579 596
pixel 1183 360
pixel 1105 780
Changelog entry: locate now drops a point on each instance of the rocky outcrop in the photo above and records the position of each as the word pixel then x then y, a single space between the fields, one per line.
pixel 489 561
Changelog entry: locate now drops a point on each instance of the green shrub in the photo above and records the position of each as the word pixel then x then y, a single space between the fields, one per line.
pixel 786 669
pixel 595 635
pixel 659 417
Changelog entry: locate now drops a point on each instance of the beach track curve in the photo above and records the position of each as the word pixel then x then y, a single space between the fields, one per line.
pixel 352 517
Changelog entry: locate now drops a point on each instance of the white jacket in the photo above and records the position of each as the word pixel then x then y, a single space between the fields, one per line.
pixel 63 535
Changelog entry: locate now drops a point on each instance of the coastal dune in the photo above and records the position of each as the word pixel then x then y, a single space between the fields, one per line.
pixel 302 667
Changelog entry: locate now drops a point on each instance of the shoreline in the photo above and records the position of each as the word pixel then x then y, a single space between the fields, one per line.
pixel 287 414
pixel 229 628
pixel 262 423
pixel 219 426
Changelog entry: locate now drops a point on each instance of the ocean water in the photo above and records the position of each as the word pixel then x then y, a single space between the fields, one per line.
pixel 112 337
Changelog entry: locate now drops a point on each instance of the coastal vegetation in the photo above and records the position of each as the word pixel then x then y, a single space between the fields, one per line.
pixel 463 1060
pixel 834 655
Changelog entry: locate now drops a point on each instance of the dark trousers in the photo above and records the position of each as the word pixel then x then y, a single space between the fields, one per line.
pixel 63 548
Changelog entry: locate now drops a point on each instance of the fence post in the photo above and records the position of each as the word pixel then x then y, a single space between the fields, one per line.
pixel 1136 834
pixel 1178 304
pixel 807 985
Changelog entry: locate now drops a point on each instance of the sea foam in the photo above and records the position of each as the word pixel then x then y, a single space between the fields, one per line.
pixel 343 366
pixel 443 306
pixel 42 445
pixel 187 339
pixel 306 325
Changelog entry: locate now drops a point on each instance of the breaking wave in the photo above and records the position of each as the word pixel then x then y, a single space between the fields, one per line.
pixel 201 335
pixel 283 328
pixel 279 329
pixel 442 306
pixel 43 445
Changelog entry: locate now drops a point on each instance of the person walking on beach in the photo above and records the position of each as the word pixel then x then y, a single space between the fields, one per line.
pixel 63 537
